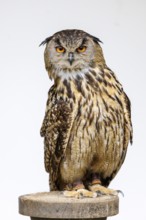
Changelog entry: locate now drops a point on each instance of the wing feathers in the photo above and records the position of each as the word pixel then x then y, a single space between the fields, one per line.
pixel 54 129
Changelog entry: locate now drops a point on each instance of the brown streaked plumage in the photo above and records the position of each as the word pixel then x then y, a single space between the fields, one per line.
pixel 87 124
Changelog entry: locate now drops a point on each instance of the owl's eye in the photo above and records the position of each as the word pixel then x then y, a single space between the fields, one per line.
pixel 81 49
pixel 60 49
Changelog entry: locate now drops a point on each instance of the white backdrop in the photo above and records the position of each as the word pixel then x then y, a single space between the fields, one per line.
pixel 24 84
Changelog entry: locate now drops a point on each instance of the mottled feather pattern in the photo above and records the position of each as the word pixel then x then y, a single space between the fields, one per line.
pixel 54 130
pixel 87 125
pixel 97 128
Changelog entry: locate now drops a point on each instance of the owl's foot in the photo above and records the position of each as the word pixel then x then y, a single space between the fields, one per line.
pixel 101 190
pixel 80 193
pixel 96 186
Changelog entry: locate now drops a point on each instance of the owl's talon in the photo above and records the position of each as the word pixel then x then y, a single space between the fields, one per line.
pixel 80 193
pixel 101 190
pixel 99 193
pixel 119 191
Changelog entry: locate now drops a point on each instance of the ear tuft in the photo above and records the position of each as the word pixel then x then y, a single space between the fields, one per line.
pixel 45 41
pixel 96 40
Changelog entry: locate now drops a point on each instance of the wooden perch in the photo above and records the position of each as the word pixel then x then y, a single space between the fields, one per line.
pixel 53 205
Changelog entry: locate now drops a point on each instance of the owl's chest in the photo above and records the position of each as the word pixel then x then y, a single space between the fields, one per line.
pixel 97 123
pixel 94 105
pixel 97 113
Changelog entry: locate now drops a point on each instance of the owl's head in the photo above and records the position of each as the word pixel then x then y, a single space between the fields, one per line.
pixel 70 51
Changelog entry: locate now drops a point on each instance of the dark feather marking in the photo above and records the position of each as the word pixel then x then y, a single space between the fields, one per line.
pixel 106 92
pixel 108 68
pixel 108 75
pixel 84 41
pixel 105 128
pixel 68 87
pixel 99 79
pixel 105 82
pixel 113 116
pixel 85 125
pixel 78 84
pixel 61 90
pixel 79 111
pixel 80 145
pixel 97 120
pixel 71 106
pixel 110 120
pixel 90 79
pixel 105 104
pixel 109 84
pixel 119 89
pixel 93 72
pixel 78 125
pixel 90 109
pixel 87 130
pixel 113 75
pixel 117 115
pixel 119 101
pixel 102 73
pixel 112 108
pixel 128 104
pixel 97 126
pixel 77 118
pixel 91 119
pixel 57 41
pixel 92 83
pixel 107 144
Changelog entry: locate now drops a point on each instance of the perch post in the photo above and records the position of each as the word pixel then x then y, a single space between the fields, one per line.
pixel 53 205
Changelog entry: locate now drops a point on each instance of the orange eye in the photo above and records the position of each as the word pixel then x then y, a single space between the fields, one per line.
pixel 60 49
pixel 81 49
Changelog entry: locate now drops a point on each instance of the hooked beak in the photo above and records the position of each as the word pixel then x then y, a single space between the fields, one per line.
pixel 71 57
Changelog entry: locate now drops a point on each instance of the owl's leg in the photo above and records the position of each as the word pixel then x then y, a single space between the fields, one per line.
pixel 78 191
pixel 96 186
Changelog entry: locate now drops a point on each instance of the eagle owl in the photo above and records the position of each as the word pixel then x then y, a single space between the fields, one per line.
pixel 87 123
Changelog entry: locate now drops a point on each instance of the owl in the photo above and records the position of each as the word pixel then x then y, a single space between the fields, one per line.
pixel 87 123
